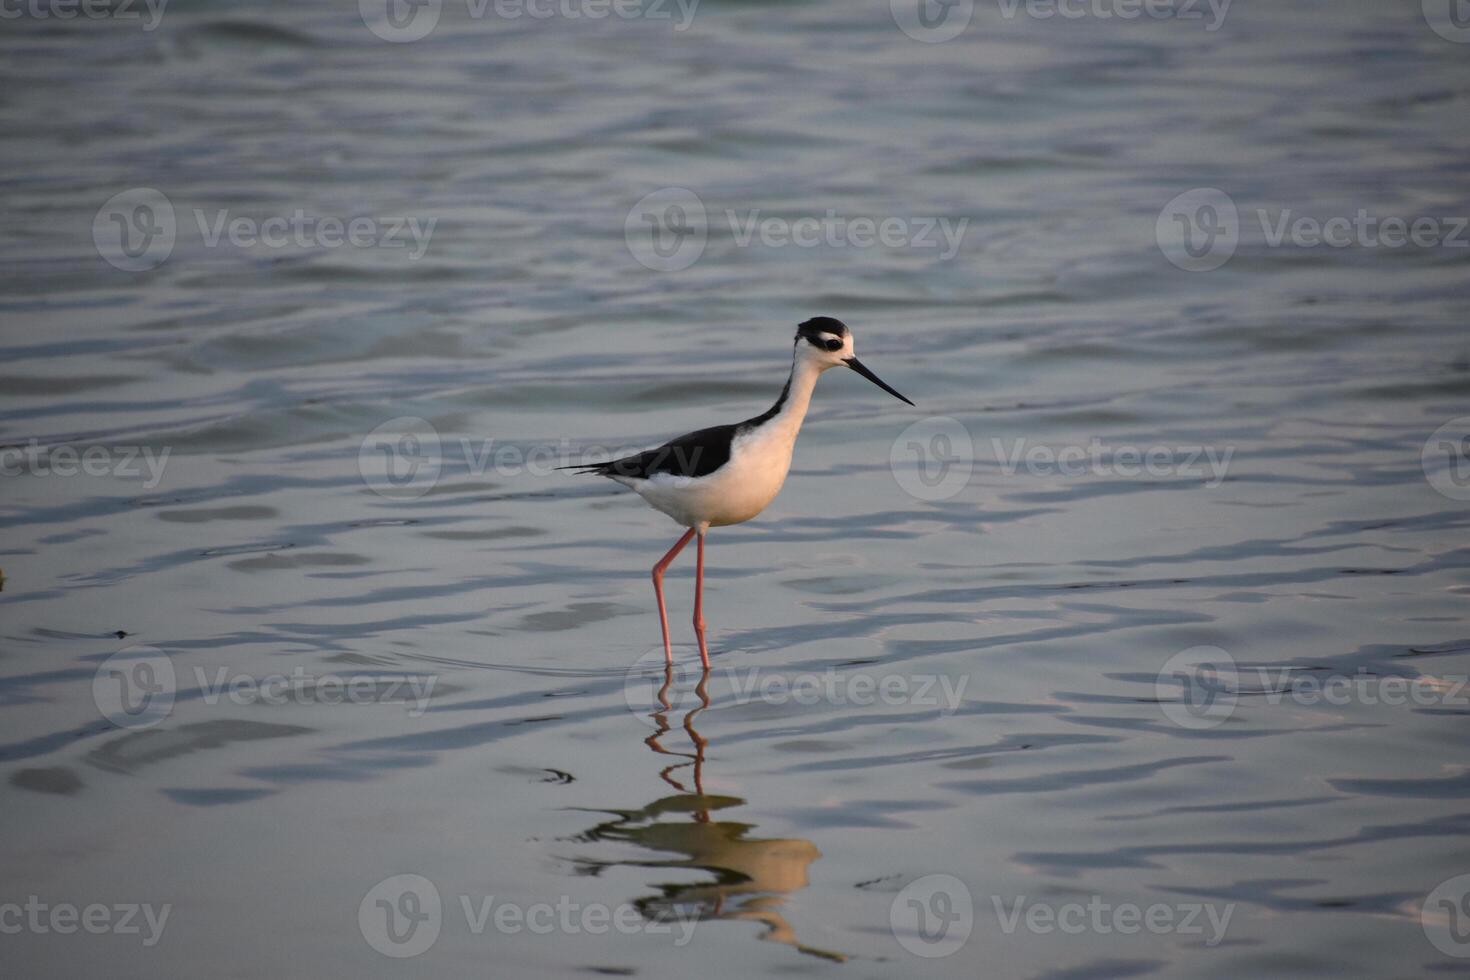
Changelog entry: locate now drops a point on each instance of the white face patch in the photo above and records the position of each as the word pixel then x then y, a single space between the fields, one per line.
pixel 812 347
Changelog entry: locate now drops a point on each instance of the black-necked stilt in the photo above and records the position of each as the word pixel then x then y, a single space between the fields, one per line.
pixel 729 473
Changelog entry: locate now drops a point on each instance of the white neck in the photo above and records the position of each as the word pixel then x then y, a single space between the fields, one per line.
pixel 799 387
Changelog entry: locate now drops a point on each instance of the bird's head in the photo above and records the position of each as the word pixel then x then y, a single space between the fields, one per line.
pixel 824 342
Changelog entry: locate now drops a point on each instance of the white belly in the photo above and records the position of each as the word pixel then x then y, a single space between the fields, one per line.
pixel 736 492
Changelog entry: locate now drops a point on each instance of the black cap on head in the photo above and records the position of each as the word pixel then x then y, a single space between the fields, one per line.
pixel 822 324
pixel 813 329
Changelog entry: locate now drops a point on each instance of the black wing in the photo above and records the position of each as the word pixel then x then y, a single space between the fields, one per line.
pixel 696 454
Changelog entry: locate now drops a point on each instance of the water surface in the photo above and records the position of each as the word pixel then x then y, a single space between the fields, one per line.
pixel 784 827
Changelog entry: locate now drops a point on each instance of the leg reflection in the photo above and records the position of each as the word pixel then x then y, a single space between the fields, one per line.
pixel 750 876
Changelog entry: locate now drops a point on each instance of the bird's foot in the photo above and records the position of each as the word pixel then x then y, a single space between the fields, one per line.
pixel 703 647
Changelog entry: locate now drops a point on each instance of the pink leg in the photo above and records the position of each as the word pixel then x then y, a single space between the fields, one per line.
pixel 699 603
pixel 658 589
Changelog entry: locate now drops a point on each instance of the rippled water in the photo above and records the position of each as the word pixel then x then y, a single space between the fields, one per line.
pixel 931 657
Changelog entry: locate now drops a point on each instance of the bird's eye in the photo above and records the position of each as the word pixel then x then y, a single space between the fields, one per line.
pixel 834 345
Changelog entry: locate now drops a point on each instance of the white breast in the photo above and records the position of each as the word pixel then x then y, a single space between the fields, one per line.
pixel 760 458
pixel 759 461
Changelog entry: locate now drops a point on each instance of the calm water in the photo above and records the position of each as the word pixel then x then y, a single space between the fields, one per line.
pixel 938 653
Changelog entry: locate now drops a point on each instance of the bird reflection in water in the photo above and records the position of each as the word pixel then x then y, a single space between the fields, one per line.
pixel 751 875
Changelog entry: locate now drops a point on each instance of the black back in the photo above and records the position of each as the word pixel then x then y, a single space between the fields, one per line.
pixel 694 454
pixel 702 453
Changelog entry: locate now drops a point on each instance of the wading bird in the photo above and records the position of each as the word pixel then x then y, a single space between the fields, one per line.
pixel 727 474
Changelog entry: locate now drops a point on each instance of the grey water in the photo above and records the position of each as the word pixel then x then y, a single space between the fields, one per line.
pixel 1138 649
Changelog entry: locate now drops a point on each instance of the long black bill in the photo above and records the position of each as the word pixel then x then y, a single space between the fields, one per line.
pixel 857 366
